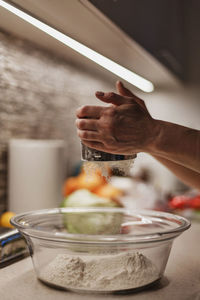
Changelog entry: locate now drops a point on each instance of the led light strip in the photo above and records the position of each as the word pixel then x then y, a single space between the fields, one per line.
pixel 108 64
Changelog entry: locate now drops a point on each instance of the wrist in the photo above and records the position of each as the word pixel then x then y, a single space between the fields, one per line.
pixel 156 137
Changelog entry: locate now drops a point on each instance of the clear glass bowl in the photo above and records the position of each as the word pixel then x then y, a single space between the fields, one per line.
pixel 99 249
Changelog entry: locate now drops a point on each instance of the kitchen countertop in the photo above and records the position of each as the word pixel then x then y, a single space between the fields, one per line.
pixel 181 279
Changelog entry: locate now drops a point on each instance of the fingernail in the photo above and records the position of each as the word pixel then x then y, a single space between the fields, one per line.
pixel 99 93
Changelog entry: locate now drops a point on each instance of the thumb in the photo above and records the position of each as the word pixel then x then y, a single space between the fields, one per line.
pixel 123 91
pixel 114 98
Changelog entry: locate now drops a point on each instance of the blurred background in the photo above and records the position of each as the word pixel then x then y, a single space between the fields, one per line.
pixel 43 82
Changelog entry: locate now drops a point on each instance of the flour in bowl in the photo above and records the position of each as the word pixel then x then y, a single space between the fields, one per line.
pixel 101 272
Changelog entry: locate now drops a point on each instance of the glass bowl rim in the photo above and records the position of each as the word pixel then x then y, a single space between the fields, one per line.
pixel 27 230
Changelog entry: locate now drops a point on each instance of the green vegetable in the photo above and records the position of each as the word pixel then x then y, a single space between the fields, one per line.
pixel 84 198
pixel 91 222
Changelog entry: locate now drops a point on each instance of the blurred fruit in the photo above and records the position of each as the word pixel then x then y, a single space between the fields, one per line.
pixel 90 182
pixel 195 202
pixel 184 202
pixel 108 191
pixel 83 181
pixel 70 185
pixel 178 202
pixel 5 219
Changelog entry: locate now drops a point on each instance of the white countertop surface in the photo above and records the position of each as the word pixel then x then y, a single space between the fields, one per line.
pixel 181 279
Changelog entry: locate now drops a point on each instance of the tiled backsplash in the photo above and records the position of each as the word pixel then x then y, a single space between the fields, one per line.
pixel 39 94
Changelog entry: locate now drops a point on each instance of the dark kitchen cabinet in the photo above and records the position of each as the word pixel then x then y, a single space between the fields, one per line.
pixel 157 25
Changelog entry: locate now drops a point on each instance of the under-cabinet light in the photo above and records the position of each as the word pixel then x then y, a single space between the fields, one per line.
pixel 108 64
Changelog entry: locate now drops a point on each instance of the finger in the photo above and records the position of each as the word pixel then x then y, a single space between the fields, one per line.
pixel 123 90
pixel 113 98
pixel 86 124
pixel 94 145
pixel 89 111
pixel 126 92
pixel 88 135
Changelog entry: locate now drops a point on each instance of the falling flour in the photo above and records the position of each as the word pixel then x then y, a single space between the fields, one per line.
pixel 118 167
pixel 101 272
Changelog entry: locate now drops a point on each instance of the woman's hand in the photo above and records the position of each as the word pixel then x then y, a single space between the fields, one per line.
pixel 124 127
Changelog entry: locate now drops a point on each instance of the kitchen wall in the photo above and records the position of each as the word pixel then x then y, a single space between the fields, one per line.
pixel 39 94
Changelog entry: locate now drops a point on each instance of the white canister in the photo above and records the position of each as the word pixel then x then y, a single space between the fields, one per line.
pixel 35 174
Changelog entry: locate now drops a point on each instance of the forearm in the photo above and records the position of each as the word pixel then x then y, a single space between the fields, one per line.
pixel 177 144
pixel 186 175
